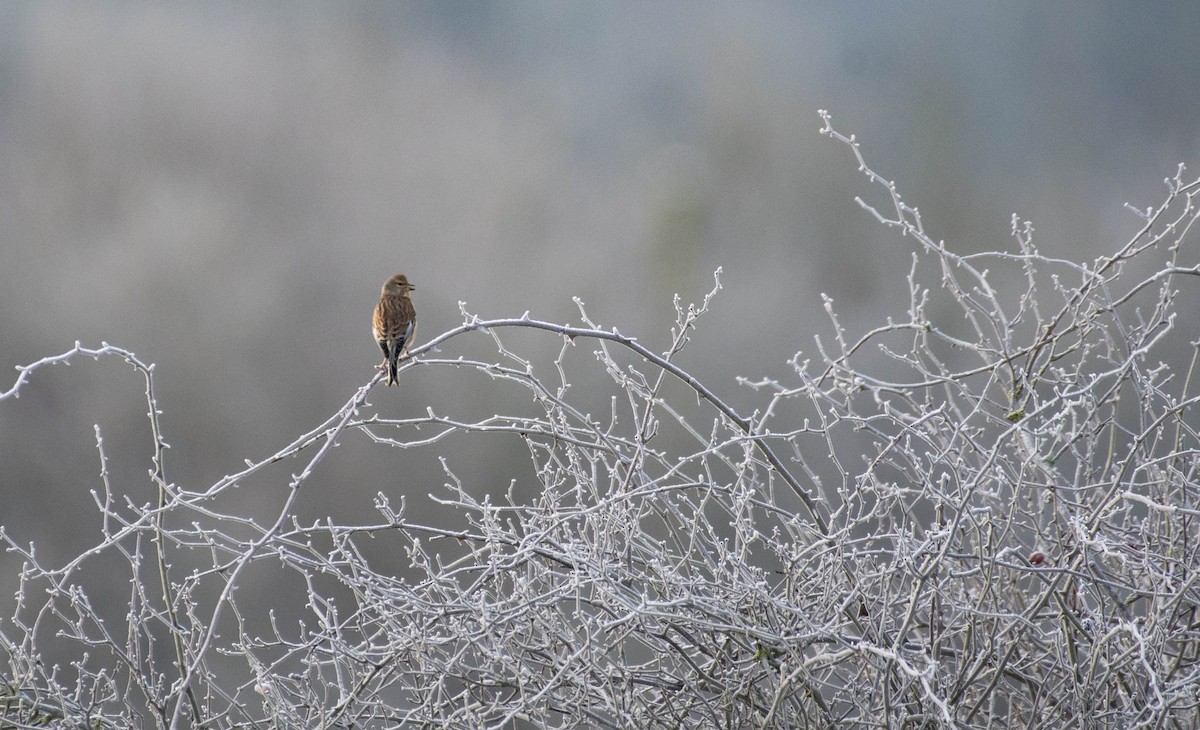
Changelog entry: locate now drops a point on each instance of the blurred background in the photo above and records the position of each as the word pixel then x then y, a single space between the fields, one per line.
pixel 223 187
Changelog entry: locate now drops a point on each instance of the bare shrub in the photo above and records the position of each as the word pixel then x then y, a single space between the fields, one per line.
pixel 929 525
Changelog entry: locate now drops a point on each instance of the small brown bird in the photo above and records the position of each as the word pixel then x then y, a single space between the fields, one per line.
pixel 394 323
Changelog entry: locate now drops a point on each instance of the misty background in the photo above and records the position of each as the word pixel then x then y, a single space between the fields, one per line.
pixel 223 187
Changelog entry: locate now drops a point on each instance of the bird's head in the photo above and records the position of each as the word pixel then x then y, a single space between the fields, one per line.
pixel 397 286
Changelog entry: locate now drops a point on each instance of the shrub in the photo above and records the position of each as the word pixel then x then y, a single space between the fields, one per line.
pixel 922 528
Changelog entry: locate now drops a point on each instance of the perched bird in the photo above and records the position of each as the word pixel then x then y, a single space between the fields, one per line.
pixel 394 323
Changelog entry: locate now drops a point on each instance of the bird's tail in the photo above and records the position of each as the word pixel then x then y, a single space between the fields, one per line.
pixel 393 366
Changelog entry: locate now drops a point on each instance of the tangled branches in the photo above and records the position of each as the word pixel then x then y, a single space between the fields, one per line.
pixel 922 528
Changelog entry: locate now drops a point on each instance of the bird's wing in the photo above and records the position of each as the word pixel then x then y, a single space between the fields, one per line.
pixel 377 322
pixel 407 335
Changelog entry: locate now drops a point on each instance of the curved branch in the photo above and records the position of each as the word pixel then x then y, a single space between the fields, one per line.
pixel 745 424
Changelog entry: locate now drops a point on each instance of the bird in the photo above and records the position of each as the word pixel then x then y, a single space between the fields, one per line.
pixel 394 323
